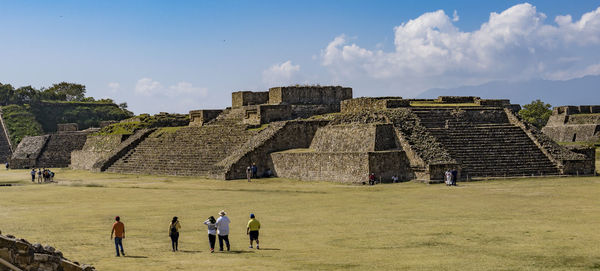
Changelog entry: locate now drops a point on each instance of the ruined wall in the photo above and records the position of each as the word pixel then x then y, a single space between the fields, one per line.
pixel 130 143
pixel 347 167
pixel 366 104
pixel 201 117
pixel 278 136
pixel 458 99
pixel 28 151
pixel 309 95
pixel 21 254
pixel 67 127
pixel 574 124
pixel 493 102
pixel 95 149
pixel 586 166
pixel 343 167
pixel 345 138
pixel 243 98
pixel 573 133
pixel 270 113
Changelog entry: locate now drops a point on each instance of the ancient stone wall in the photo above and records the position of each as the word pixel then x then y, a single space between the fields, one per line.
pixel 201 117
pixel 309 95
pixel 343 167
pixel 95 149
pixel 243 98
pixel 19 253
pixel 493 102
pixel 127 145
pixel 67 127
pixel 28 151
pixel 58 148
pixel 458 99
pixel 345 138
pixel 347 167
pixel 586 166
pixel 278 136
pixel 368 104
pixel 574 124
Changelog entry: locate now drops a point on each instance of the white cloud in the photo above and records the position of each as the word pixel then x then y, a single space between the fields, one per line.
pixel 430 51
pixel 185 88
pixel 114 86
pixel 148 87
pixel 281 74
pixel 455 16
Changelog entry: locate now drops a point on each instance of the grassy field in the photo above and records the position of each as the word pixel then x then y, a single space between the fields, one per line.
pixel 521 224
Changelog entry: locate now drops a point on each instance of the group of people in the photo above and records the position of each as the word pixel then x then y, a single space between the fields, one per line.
pixel 216 228
pixel 252 172
pixel 450 177
pixel 373 181
pixel 45 175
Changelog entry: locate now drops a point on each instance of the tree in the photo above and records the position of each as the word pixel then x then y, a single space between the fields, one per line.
pixel 6 94
pixel 536 113
pixel 64 91
pixel 25 95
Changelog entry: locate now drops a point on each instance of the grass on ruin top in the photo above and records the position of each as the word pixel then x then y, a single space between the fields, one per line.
pixel 166 131
pixel 586 114
pixel 259 128
pixel 436 104
pixel 517 224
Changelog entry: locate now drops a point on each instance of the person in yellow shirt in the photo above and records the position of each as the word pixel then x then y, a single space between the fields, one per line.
pixel 174 233
pixel 252 230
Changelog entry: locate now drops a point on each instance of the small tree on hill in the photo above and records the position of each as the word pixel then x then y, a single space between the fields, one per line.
pixel 536 113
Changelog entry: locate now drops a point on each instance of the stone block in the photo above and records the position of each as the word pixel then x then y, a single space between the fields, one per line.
pixel 6 241
pixel 585 109
pixel 70 266
pixel 67 127
pixel 39 257
pixel 244 98
pixel 6 254
pixel 309 95
pixel 200 117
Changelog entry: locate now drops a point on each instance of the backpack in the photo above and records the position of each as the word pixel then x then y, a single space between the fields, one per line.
pixel 173 229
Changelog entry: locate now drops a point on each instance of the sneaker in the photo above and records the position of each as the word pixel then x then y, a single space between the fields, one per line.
pixel 122 253
pixel 118 255
pixel 250 247
pixel 212 251
pixel 257 247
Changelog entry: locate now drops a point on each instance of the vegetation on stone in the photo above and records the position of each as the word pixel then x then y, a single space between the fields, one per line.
pixel 131 125
pixel 20 122
pixel 536 113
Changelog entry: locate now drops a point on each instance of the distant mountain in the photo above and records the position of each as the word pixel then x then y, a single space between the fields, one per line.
pixel 580 91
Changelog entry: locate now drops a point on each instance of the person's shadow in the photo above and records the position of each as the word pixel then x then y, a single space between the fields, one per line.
pixel 268 248
pixel 190 251
pixel 135 257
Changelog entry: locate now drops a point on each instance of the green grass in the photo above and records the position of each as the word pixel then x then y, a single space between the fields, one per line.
pixel 519 224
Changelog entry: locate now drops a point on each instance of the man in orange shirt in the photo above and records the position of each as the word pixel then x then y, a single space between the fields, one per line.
pixel 118 229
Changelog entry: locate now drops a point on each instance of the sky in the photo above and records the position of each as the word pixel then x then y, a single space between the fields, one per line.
pixel 176 56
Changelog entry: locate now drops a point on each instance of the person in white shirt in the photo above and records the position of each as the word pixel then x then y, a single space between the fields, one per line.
pixel 223 230
pixel 212 232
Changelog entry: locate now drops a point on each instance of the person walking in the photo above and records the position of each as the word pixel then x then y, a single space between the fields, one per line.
pixel 33 175
pixel 174 233
pixel 118 229
pixel 223 230
pixel 252 230
pixel 372 179
pixel 212 232
pixel 249 173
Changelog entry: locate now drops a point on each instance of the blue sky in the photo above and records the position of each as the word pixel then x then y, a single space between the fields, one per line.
pixel 177 56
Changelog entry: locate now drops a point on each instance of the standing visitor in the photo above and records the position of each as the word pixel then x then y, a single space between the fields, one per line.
pixel 448 177
pixel 118 229
pixel 254 171
pixel 39 175
pixel 33 175
pixel 223 230
pixel 249 173
pixel 6 165
pixel 394 179
pixel 174 233
pixel 454 176
pixel 212 232
pixel 252 230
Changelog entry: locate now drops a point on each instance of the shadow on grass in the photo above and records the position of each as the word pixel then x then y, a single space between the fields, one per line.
pixel 268 248
pixel 236 252
pixel 136 257
pixel 190 251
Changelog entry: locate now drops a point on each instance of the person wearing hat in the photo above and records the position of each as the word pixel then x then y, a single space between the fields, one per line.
pixel 118 229
pixel 252 230
pixel 174 233
pixel 223 230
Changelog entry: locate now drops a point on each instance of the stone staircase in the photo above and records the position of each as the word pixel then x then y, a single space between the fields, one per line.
pixel 487 145
pixel 57 152
pixel 229 116
pixel 191 151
